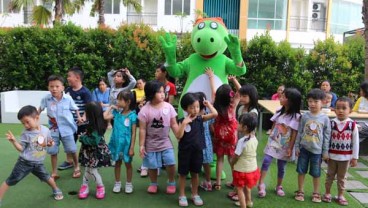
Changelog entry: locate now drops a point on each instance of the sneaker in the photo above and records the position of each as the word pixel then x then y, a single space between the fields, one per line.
pixel 152 189
pixel 280 191
pixel 117 187
pixel 83 192
pixel 183 202
pixel 65 165
pixel 171 188
pixel 128 188
pixel 197 200
pixel 144 172
pixel 100 192
pixel 206 186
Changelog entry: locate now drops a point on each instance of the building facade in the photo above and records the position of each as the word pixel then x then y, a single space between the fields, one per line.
pixel 301 22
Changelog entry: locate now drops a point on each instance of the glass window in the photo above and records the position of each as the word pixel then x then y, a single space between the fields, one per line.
pixel 177 7
pixel 267 14
pixel 167 7
pixel 108 6
pixel 116 6
pixel 266 9
pixel 253 9
pixel 187 7
pixel 352 18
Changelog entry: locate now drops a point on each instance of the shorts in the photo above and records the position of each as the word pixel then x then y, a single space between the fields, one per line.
pixel 249 180
pixel 190 160
pixel 307 158
pixel 154 160
pixel 68 142
pixel 23 167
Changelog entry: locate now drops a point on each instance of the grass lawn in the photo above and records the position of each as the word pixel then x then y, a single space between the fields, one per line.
pixel 30 192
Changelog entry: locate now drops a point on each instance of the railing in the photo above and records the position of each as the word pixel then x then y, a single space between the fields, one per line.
pixel 305 23
pixel 146 18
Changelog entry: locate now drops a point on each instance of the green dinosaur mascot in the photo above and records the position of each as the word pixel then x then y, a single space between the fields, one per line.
pixel 210 39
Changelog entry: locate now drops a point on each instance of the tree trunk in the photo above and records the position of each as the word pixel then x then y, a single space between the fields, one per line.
pixel 365 21
pixel 58 11
pixel 101 13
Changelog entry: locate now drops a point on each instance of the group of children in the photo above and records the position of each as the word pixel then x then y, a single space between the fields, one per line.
pixel 226 128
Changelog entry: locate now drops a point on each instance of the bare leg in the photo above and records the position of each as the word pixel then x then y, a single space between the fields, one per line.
pixel 117 170
pixel 152 173
pixel 3 188
pixel 53 165
pixel 316 182
pixel 182 181
pixel 207 172
pixel 263 176
pixel 129 172
pixel 301 182
pixel 195 183
pixel 170 172
pixel 69 158
pixel 219 166
pixel 241 197
pixel 75 160
pixel 248 195
pixel 52 183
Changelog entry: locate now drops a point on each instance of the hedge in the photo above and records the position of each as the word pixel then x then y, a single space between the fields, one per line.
pixel 30 55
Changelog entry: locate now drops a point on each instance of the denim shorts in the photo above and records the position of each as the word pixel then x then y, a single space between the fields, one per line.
pixel 68 142
pixel 23 167
pixel 307 158
pixel 154 160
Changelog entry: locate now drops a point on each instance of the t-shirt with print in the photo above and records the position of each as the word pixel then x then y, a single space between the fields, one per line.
pixel 157 126
pixel 193 137
pixel 81 97
pixel 34 144
pixel 279 140
pixel 170 89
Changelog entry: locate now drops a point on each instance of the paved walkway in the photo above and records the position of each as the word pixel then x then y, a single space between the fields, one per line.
pixel 356 175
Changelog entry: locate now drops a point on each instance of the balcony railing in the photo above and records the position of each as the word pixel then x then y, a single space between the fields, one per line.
pixel 146 18
pixel 305 23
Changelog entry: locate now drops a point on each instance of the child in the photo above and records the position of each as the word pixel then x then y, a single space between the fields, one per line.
pixel 32 147
pixel 312 142
pixel 120 80
pixel 225 135
pixel 208 150
pixel 156 149
pixel 281 141
pixel 326 103
pixel 94 152
pixel 326 87
pixel 122 139
pixel 277 95
pixel 61 123
pixel 81 96
pixel 361 106
pixel 191 144
pixel 244 163
pixel 162 75
pixel 102 95
pixel 340 157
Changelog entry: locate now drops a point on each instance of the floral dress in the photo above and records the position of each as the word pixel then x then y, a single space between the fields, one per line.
pixel 94 152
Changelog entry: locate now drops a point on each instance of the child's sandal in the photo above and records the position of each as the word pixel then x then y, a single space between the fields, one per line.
pixel 58 195
pixel 327 198
pixel 316 197
pixel 341 201
pixel 299 196
pixel 217 186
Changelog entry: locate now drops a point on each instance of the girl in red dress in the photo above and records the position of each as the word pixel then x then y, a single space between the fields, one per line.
pixel 225 126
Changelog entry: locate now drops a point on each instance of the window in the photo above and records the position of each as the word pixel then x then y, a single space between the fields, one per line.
pixel 352 18
pixel 270 14
pixel 173 7
pixel 5 7
pixel 112 6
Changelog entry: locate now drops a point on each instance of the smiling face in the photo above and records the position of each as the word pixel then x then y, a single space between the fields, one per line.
pixel 208 37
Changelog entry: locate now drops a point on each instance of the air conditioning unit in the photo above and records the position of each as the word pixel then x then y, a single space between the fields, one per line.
pixel 317 11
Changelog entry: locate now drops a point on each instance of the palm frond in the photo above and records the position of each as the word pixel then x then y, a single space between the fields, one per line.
pixel 17 4
pixel 134 3
pixel 95 8
pixel 41 15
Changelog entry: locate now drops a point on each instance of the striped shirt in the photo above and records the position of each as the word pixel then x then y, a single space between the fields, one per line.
pixel 81 97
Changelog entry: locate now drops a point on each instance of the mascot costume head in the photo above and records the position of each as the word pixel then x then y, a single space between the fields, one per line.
pixel 210 39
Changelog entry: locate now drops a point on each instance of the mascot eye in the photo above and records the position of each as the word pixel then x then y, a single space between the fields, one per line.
pixel 201 25
pixel 213 25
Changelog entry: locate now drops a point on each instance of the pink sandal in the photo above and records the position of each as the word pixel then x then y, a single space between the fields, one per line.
pixel 341 201
pixel 280 191
pixel 261 190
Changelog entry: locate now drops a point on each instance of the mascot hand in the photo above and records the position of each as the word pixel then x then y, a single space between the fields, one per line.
pixel 169 46
pixel 233 45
